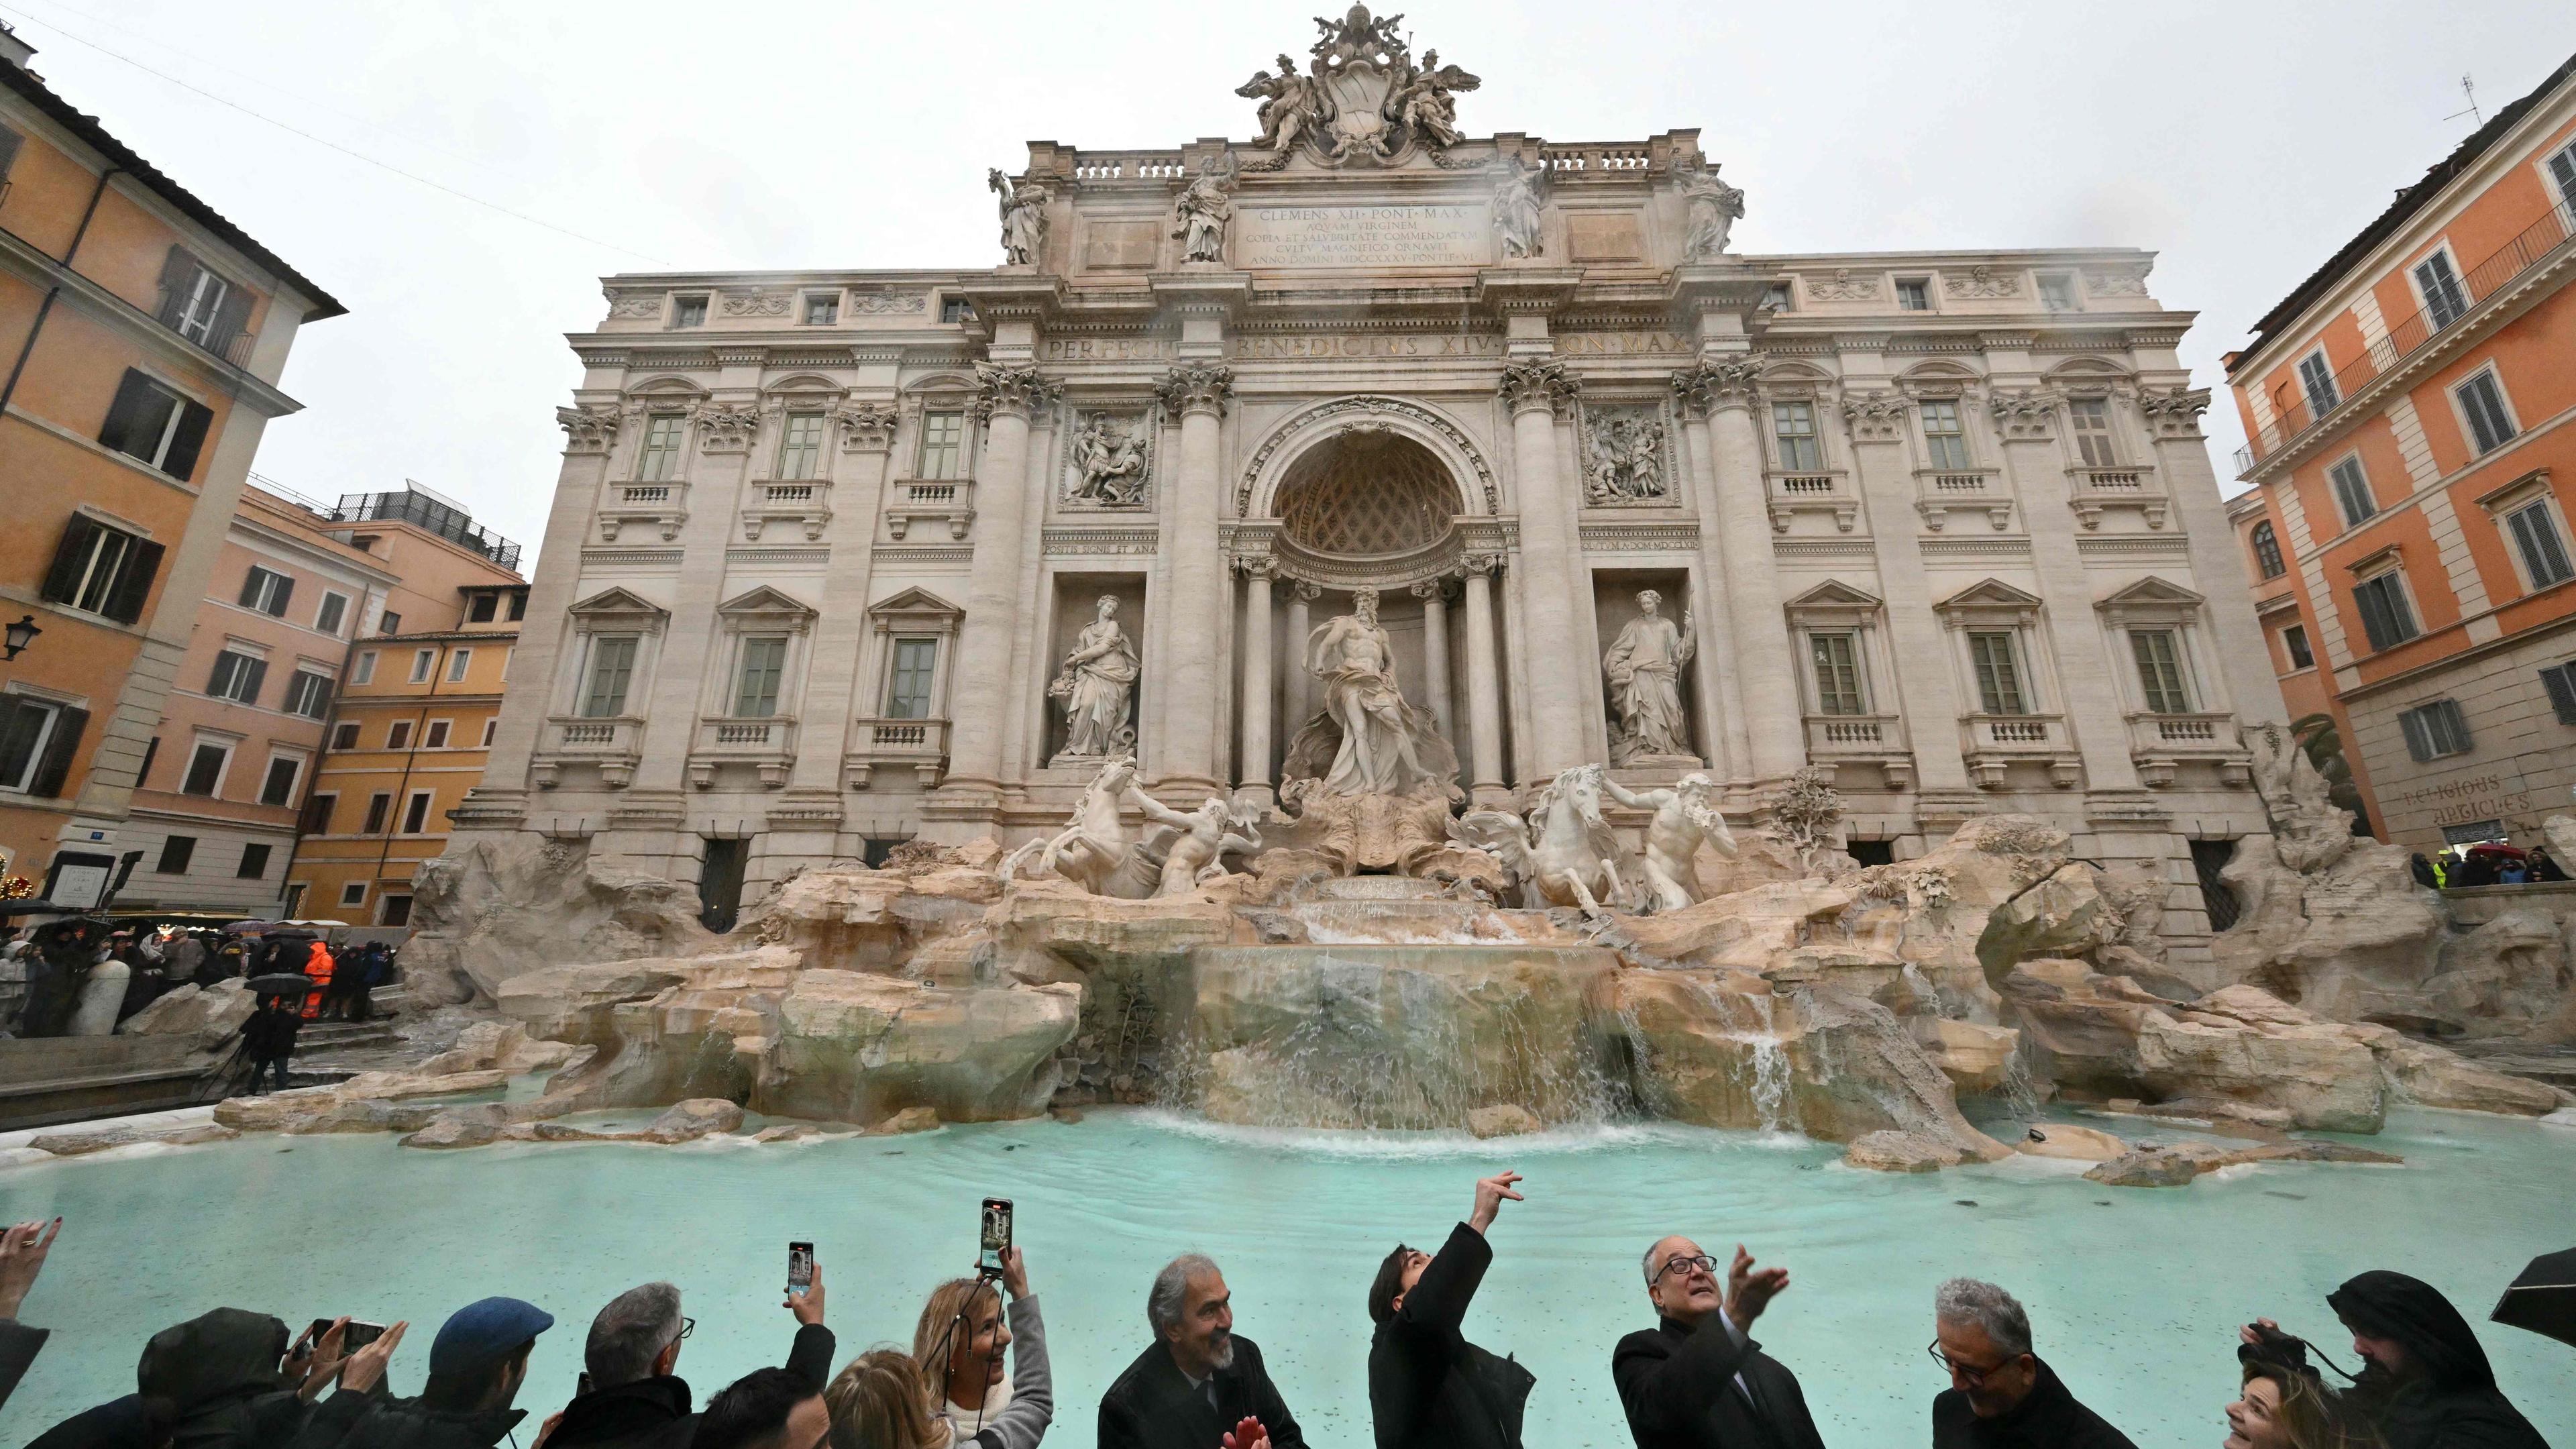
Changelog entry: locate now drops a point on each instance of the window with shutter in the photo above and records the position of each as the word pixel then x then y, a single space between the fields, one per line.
pixel 267 591
pixel 2435 730
pixel 25 726
pixel 2562 169
pixel 10 141
pixel 2352 492
pixel 435 738
pixel 2445 300
pixel 398 735
pixel 2386 617
pixel 335 609
pixel 102 570
pixel 155 425
pixel 2159 671
pixel 2482 403
pixel 179 272
pixel 151 752
pixel 344 735
pixel 2318 380
pixel 2558 679
pixel 2534 529
pixel 308 693
pixel 237 677
pixel 612 666
pixel 54 767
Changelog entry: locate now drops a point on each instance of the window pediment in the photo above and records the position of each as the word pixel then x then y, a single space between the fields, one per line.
pixel 615 609
pixel 1989 603
pixel 1833 603
pixel 915 610
pixel 765 607
pixel 2525 489
pixel 2151 600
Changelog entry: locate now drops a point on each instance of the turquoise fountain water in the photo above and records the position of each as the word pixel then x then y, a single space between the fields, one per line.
pixel 2135 1293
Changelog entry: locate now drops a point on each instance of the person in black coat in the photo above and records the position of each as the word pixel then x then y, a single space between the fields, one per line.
pixel 2425 1382
pixel 1198 1386
pixel 268 1039
pixel 635 1400
pixel 1429 1388
pixel 2001 1396
pixel 1697 1380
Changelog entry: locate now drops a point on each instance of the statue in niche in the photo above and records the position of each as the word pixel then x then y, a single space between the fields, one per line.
pixel 1109 463
pixel 1193 849
pixel 1370 777
pixel 1291 105
pixel 1098 687
pixel 1644 669
pixel 1683 822
pixel 1516 208
pixel 1626 462
pixel 1715 207
pixel 1380 732
pixel 1024 222
pixel 1200 214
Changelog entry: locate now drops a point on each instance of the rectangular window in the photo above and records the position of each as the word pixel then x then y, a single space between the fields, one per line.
pixel 2352 492
pixel 800 447
pixel 423 662
pixel 612 666
pixel 489 726
pixel 389 622
pixel 457 664
pixel 254 863
pixel 518 605
pixel 943 445
pixel 334 611
pixel 151 752
pixel 2159 657
pixel 2318 381
pixel 822 309
pixel 956 309
pixel 1999 688
pixel 1945 433
pixel 103 570
pixel 416 814
pixel 2560 681
pixel 764 662
pixel 1913 294
pixel 2092 417
pixel 201 301
pixel 394 911
pixel 37 740
pixel 365 673
pixel 2385 615
pixel 398 735
pixel 2562 169
pixel 379 806
pixel 689 311
pixel 2435 730
pixel 176 852
pixel 344 735
pixel 2482 402
pixel 2445 300
pixel 316 819
pixel 155 426
pixel 1794 425
pixel 237 677
pixel 664 436
pixel 308 694
pixel 435 737
pixel 205 769
pixel 2544 550
pixel 2057 292
pixel 354 893
pixel 279 787
pixel 267 591
pixel 908 683
pixel 1837 663
pixel 2294 641
pixel 484 606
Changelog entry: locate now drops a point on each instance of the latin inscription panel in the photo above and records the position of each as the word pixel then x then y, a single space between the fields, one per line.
pixel 1362 236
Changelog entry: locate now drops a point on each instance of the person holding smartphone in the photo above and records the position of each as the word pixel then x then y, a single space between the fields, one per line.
pixel 1428 1386
pixel 633 1396
pixel 959 1344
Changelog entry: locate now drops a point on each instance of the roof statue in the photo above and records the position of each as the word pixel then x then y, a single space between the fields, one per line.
pixel 1361 97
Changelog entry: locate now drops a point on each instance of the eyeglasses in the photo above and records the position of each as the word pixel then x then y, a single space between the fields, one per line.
pixel 1970 1376
pixel 1703 1262
pixel 688 1326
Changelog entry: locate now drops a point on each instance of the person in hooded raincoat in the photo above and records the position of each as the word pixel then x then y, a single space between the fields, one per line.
pixel 2425 1382
pixel 318 965
pixel 213 1380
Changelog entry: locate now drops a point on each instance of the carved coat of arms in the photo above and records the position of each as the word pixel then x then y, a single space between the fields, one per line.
pixel 1362 98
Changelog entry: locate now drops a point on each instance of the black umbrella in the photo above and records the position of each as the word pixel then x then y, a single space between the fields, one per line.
pixel 2543 1298
pixel 281 983
pixel 31 906
pixel 248 925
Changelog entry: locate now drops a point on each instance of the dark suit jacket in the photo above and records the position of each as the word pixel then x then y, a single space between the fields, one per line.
pixel 1153 1407
pixel 1679 1390
pixel 2049 1418
pixel 1429 1388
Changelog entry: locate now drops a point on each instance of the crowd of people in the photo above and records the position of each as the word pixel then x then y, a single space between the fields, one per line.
pixel 58 959
pixel 1697 1379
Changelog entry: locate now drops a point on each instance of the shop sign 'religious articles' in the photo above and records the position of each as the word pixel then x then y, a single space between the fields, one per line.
pixel 1363 236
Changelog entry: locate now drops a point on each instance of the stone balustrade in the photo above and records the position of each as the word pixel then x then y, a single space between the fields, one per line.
pixel 918 744
pixel 935 500
pixel 662 507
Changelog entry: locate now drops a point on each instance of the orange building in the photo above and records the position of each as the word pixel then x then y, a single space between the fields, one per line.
pixel 2408 408
pixel 145 336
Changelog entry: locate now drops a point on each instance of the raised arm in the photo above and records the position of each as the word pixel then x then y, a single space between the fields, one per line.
pixel 1633 799
pixel 1023 1421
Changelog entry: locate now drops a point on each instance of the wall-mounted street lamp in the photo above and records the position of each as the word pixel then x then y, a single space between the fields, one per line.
pixel 19 635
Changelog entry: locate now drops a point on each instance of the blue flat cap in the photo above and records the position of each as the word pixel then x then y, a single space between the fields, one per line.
pixel 483 1333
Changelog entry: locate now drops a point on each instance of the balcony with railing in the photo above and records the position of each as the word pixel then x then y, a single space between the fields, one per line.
pixel 930 500
pixel 660 508
pixel 1940 492
pixel 1993 743
pixel 430 512
pixel 2160 743
pixel 1816 490
pixel 2093 491
pixel 768 745
pixel 1862 739
pixel 920 745
pixel 2544 240
pixel 801 503
pixel 614 744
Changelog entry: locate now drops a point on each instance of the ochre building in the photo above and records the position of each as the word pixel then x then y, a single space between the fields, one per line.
pixel 840 558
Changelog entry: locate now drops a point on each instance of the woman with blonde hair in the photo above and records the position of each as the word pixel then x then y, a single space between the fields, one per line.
pixel 878 1401
pixel 2282 1407
pixel 958 1348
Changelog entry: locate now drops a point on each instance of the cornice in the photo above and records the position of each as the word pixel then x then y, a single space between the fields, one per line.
pixel 161 344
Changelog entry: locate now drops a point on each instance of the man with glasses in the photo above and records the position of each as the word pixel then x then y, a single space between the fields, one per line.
pixel 1697 1380
pixel 2001 1396
pixel 631 1399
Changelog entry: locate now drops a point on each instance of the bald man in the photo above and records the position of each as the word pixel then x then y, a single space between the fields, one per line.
pixel 1697 1380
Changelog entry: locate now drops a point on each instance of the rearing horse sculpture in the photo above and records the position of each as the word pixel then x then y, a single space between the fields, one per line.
pixel 1565 854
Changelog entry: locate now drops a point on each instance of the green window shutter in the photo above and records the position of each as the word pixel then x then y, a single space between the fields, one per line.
pixel 69 723
pixel 134 582
pixel 194 418
pixel 71 557
pixel 137 403
pixel 178 268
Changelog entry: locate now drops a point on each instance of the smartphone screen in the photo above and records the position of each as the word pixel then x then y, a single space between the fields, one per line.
pixel 800 1267
pixel 997 1233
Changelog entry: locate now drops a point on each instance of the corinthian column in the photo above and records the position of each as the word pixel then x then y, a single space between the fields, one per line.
pixel 1198 391
pixel 1774 732
pixel 992 621
pixel 1561 682
pixel 1435 652
pixel 1484 693
pixel 1301 598
pixel 1255 694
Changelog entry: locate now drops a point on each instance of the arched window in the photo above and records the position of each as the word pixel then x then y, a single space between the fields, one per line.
pixel 2267 551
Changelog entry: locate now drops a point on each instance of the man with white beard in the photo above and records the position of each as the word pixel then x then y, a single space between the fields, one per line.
pixel 1198 1386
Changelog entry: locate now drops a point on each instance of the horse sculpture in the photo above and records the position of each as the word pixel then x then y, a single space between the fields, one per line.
pixel 1565 853
pixel 1091 850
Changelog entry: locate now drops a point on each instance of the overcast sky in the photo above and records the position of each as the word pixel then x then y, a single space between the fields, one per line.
pixel 2242 141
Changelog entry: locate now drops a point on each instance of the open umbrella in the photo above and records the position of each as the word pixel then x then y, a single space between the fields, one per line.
pixel 248 925
pixel 2543 1298
pixel 281 983
pixel 31 906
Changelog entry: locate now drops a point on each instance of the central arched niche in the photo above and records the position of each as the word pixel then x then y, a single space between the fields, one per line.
pixel 1368 494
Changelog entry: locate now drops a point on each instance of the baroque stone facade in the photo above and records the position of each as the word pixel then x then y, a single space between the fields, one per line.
pixel 1940 525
